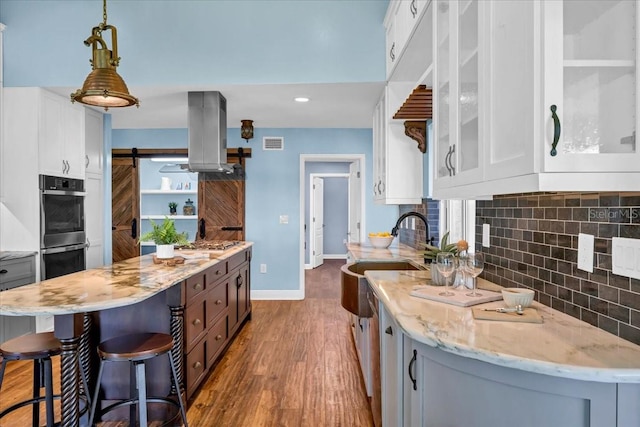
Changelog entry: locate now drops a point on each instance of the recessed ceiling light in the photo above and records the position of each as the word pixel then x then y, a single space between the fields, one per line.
pixel 301 99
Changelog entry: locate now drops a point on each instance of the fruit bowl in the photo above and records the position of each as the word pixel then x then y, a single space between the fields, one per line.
pixel 381 242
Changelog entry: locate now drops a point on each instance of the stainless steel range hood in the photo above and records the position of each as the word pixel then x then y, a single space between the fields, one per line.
pixel 207 126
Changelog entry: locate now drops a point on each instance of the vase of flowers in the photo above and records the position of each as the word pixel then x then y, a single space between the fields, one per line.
pixel 431 252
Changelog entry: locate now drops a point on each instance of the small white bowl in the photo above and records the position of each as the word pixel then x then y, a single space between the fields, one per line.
pixel 517 296
pixel 380 242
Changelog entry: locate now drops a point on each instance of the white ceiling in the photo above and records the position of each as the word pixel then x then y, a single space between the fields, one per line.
pixel 334 105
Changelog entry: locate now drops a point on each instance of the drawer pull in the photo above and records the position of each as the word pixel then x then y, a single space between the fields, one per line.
pixel 388 331
pixel 218 272
pixel 197 286
pixel 556 130
pixel 218 337
pixel 197 365
pixel 196 322
pixel 219 302
pixel 3 271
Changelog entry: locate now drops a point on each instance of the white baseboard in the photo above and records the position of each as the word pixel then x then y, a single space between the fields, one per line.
pixel 289 294
pixel 335 256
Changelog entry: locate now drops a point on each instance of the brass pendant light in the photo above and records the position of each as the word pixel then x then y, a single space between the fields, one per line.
pixel 103 86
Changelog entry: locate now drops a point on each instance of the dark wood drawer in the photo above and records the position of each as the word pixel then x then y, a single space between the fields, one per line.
pixel 196 367
pixel 195 321
pixel 216 272
pixel 237 259
pixel 217 301
pixel 194 286
pixel 216 339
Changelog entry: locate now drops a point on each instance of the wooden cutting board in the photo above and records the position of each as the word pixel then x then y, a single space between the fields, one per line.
pixel 530 315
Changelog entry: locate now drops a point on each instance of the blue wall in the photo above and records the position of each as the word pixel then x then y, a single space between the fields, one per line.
pixel 273 189
pixel 173 42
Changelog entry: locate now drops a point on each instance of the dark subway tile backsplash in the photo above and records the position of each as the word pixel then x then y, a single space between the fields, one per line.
pixel 534 241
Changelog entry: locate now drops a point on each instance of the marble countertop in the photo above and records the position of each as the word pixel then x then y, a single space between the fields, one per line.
pixel 561 346
pixel 120 284
pixel 6 255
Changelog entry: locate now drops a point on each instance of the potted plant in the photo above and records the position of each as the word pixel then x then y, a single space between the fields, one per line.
pixel 165 236
pixel 173 208
pixel 431 252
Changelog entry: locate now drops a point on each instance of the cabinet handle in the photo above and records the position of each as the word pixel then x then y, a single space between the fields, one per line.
pixel 453 169
pixel 219 302
pixel 411 377
pixel 196 322
pixel 375 191
pixel 392 54
pixel 86 161
pixel 218 272
pixel 239 281
pixel 197 286
pixel 64 167
pixel 556 130
pixel 134 228
pixel 218 337
pixel 202 229
pixel 446 161
pixel 3 271
pixel 68 166
pixel 360 324
pixel 88 243
pixel 197 365
pixel 388 331
pixel 413 8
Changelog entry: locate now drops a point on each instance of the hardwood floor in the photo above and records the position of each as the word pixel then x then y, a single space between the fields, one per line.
pixel 293 364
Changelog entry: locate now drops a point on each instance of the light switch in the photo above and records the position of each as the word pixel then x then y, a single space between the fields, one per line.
pixel 625 257
pixel 486 230
pixel 585 252
pixel 284 219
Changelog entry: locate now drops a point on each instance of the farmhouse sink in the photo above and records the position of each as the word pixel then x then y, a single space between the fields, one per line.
pixel 355 286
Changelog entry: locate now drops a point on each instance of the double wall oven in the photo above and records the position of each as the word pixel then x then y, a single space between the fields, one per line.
pixel 63 241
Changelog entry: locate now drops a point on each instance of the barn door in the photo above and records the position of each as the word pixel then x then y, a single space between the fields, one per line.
pixel 125 211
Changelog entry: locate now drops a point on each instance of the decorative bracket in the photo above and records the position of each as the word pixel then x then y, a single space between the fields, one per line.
pixel 417 130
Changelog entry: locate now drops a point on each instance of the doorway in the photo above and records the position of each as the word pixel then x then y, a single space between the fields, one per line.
pixel 347 168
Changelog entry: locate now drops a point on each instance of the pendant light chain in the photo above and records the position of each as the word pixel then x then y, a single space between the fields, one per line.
pixel 104 12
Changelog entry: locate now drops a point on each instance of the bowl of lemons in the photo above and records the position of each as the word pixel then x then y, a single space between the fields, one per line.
pixel 381 240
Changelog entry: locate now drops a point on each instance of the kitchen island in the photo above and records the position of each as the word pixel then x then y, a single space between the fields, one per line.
pixel 135 295
pixel 444 367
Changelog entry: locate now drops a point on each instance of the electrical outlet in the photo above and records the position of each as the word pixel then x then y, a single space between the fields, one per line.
pixel 486 233
pixel 585 252
pixel 625 257
pixel 263 268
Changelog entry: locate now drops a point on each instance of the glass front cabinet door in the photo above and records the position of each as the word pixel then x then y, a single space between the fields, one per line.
pixel 458 150
pixel 590 85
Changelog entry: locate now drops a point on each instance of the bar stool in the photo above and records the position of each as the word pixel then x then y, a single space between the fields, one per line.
pixel 136 348
pixel 39 347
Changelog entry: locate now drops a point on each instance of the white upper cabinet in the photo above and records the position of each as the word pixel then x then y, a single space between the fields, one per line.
pixel 405 36
pixel 458 150
pixel 397 161
pixel 549 74
pixel 590 76
pixel 61 136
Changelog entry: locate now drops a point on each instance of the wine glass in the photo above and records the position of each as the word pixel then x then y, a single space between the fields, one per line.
pixel 446 265
pixel 474 266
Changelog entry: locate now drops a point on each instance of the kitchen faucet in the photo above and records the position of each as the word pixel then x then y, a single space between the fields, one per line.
pixel 394 230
